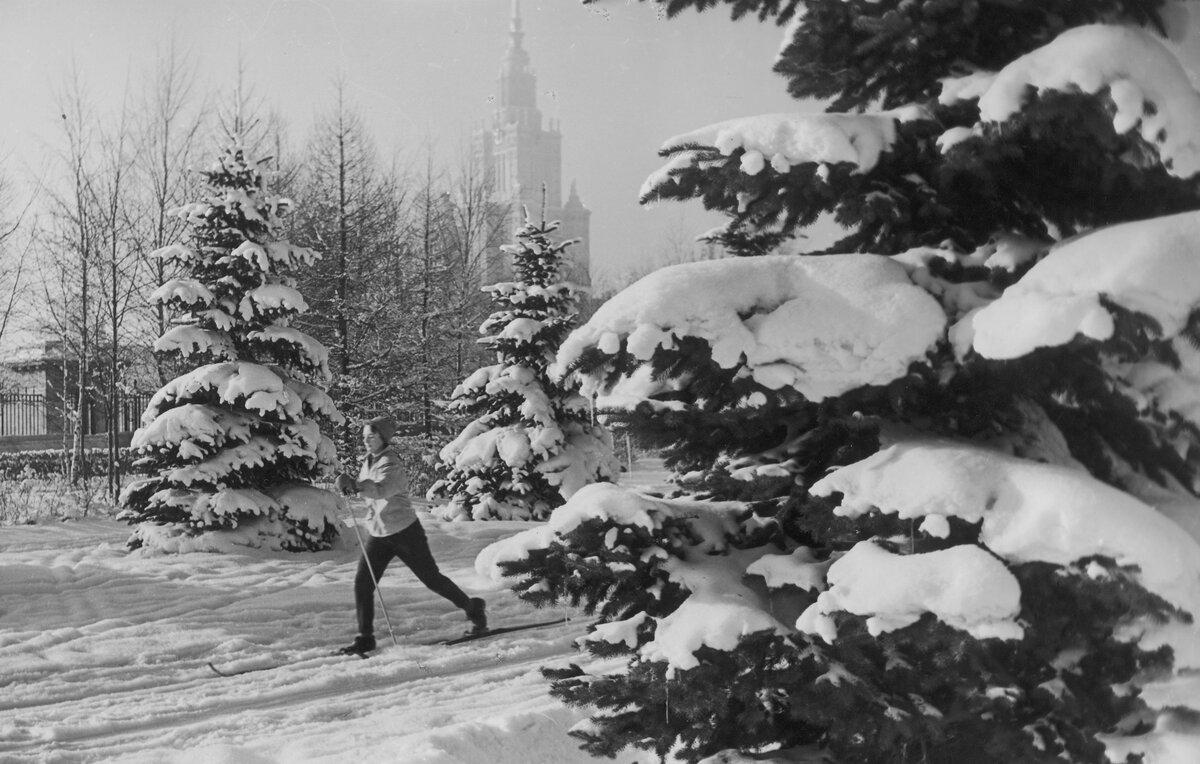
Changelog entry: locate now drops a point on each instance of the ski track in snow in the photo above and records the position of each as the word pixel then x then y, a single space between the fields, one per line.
pixel 103 656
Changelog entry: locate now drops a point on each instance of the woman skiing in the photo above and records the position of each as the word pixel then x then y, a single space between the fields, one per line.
pixel 395 532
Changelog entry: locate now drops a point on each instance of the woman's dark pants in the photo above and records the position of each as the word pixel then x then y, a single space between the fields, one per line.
pixel 411 546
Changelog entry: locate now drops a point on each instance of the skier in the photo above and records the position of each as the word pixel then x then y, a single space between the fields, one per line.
pixel 395 532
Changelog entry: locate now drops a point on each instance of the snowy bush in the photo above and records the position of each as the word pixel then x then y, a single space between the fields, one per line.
pixel 235 443
pixel 53 462
pixel 531 442
pixel 28 498
pixel 34 485
pixel 937 478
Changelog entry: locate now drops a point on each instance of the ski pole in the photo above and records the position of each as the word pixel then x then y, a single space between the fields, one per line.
pixel 371 571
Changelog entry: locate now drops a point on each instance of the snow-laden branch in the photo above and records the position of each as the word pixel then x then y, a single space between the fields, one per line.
pixel 822 325
pixel 1150 267
pixel 187 292
pixel 782 141
pixel 272 297
pixel 1148 86
pixel 192 425
pixel 1028 512
pixel 253 386
pixel 186 340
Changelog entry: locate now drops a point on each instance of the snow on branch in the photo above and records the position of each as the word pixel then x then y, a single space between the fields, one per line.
pixel 218 318
pixel 1150 267
pixel 710 521
pixel 259 389
pixel 716 619
pixel 194 426
pixel 1147 84
pixel 1028 512
pixel 823 325
pixel 272 297
pixel 237 501
pixel 179 253
pixel 310 349
pixel 315 401
pixel 215 470
pixel 719 610
pixel 478 380
pixel 964 587
pixel 188 292
pixel 186 340
pixel 305 503
pixel 782 141
pixel 801 569
pixel 1153 384
pixel 281 254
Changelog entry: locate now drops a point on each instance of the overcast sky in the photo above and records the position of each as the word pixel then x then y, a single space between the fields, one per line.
pixel 619 79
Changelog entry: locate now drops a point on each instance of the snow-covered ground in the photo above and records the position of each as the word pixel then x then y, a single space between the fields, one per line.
pixel 103 656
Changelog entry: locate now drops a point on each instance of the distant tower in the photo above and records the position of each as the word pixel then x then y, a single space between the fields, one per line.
pixel 521 156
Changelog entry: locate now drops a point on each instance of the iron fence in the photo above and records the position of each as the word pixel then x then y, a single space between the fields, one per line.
pixel 26 413
pixel 23 414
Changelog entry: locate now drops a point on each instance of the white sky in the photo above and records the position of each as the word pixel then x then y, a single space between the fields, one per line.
pixel 620 80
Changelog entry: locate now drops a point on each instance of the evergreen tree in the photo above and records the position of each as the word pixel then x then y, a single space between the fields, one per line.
pixel 236 442
pixel 531 442
pixel 921 467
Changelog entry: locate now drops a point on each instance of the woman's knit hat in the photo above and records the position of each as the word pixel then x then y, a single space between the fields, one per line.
pixel 384 425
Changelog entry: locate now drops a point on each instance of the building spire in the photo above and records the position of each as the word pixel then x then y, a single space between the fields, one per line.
pixel 517 59
pixel 518 86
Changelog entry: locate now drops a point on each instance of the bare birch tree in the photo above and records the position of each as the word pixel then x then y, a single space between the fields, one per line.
pixel 350 212
pixel 172 124
pixel 16 242
pixel 69 264
pixel 475 225
pixel 429 219
pixel 119 286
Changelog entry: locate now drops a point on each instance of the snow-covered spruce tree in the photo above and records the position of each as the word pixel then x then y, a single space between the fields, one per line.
pixel 531 442
pixel 235 443
pixel 940 476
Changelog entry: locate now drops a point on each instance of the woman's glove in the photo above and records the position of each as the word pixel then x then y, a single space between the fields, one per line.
pixel 345 484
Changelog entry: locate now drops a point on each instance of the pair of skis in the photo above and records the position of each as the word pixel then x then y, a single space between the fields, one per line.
pixel 469 637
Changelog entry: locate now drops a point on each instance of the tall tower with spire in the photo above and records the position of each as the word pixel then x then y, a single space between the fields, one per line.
pixel 521 156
